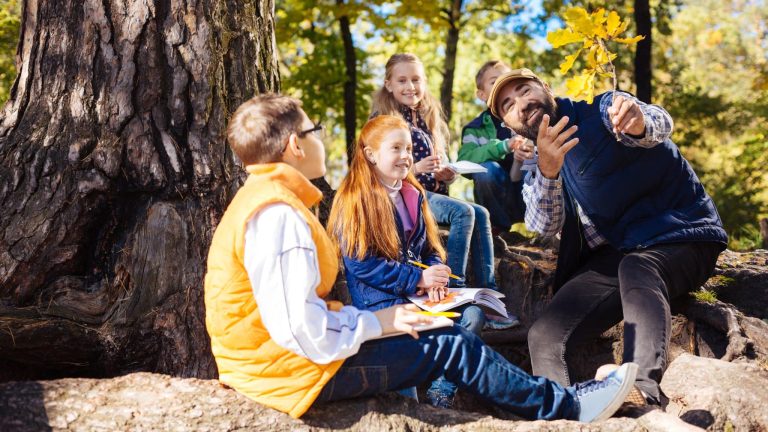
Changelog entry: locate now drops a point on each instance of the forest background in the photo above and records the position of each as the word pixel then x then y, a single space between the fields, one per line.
pixel 705 61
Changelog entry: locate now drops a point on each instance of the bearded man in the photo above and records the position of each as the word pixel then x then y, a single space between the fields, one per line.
pixel 637 228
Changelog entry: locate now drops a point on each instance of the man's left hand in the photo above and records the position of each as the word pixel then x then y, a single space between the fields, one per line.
pixel 627 117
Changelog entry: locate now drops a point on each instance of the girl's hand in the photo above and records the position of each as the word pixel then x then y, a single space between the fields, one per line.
pixel 429 164
pixel 436 275
pixel 445 175
pixel 401 318
pixel 436 293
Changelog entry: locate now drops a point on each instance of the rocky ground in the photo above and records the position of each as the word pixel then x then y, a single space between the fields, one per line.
pixel 717 378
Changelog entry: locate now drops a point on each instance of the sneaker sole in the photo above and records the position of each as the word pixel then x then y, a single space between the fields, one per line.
pixel 626 387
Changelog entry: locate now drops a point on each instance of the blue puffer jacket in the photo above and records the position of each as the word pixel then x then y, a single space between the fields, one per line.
pixel 376 283
pixel 636 197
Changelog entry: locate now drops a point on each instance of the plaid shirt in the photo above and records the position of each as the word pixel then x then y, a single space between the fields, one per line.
pixel 543 197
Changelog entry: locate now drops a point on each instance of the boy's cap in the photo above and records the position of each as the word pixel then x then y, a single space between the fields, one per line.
pixel 503 80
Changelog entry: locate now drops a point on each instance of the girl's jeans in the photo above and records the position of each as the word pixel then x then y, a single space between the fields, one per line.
pixel 472 319
pixel 470 227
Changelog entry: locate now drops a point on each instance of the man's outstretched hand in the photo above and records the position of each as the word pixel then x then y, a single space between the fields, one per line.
pixel 553 144
pixel 626 117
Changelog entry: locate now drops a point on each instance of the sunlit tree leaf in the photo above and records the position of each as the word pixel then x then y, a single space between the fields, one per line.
pixel 568 63
pixel 562 37
pixel 578 19
pixel 582 86
pixel 630 41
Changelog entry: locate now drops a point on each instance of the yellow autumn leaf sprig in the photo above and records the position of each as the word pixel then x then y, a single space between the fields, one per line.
pixel 591 31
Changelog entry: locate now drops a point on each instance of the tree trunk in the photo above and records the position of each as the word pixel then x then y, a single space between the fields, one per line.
pixel 643 71
pixel 449 67
pixel 764 232
pixel 114 173
pixel 350 85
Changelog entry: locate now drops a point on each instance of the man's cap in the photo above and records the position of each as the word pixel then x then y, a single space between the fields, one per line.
pixel 505 79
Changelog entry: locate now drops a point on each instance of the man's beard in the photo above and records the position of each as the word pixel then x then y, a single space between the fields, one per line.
pixel 532 131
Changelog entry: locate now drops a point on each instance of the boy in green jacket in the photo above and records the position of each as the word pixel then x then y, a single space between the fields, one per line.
pixel 486 141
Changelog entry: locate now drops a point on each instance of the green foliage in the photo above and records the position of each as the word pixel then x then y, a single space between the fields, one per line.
pixel 721 281
pixel 10 14
pixel 737 190
pixel 711 78
pixel 705 296
pixel 313 69
pixel 747 237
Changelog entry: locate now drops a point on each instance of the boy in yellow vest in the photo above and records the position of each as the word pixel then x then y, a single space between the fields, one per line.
pixel 278 342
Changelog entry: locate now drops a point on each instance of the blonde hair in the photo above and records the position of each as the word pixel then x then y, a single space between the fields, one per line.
pixel 362 218
pixel 429 108
pixel 259 127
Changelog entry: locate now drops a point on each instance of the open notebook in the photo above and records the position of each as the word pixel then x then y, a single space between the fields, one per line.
pixel 486 298
pixel 466 167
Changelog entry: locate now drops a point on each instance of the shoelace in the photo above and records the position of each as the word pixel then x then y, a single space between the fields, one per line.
pixel 590 386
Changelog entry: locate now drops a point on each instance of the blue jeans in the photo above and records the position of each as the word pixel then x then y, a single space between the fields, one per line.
pixel 398 362
pixel 470 228
pixel 472 319
pixel 496 192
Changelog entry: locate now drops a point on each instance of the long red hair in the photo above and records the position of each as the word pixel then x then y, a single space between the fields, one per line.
pixel 362 217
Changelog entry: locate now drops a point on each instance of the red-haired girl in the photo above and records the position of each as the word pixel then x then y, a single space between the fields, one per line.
pixel 381 220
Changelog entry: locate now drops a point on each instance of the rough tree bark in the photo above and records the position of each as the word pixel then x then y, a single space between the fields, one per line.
pixel 114 171
pixel 643 70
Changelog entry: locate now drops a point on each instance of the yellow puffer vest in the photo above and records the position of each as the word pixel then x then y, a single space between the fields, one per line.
pixel 248 359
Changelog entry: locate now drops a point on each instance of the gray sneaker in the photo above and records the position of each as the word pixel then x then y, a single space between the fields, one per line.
pixel 598 400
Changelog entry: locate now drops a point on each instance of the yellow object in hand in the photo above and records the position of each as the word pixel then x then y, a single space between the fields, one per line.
pixel 424 266
pixel 439 314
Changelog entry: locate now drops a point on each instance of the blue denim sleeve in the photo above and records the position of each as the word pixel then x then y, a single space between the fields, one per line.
pixel 384 274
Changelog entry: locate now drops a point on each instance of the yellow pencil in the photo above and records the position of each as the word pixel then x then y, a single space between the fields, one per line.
pixel 439 314
pixel 418 264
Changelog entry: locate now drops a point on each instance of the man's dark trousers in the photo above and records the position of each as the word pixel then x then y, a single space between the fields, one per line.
pixel 637 286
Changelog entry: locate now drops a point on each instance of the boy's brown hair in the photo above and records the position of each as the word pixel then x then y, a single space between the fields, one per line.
pixel 484 68
pixel 260 126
